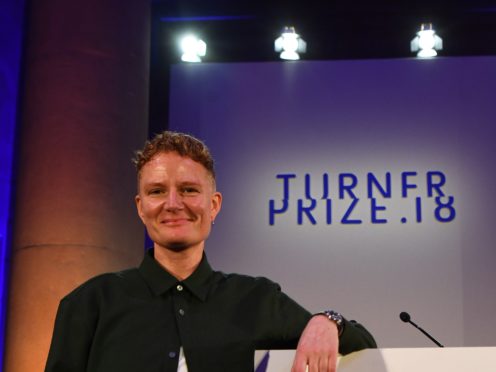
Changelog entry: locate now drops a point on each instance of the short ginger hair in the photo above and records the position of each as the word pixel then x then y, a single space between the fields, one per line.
pixel 181 143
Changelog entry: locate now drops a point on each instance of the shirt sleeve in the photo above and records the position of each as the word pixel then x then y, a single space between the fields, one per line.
pixel 355 337
pixel 71 340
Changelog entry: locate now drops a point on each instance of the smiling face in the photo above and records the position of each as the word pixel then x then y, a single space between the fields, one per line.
pixel 177 201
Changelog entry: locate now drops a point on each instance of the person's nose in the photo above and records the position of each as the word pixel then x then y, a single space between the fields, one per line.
pixel 174 200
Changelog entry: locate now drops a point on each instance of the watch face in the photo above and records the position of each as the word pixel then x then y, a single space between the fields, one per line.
pixel 336 317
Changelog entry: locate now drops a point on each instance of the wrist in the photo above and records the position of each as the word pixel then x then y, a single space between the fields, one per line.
pixel 334 317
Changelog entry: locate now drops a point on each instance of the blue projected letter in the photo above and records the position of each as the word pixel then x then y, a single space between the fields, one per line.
pixel 372 180
pixel 449 210
pixel 347 187
pixel 404 183
pixel 346 218
pixel 325 185
pixel 273 210
pixel 285 201
pixel 307 211
pixel 329 211
pixel 308 187
pixel 374 208
pixel 431 185
pixel 286 178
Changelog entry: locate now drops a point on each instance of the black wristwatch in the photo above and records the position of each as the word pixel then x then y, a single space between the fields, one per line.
pixel 335 317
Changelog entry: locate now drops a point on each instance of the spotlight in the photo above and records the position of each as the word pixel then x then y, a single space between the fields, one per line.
pixel 426 42
pixel 290 44
pixel 192 49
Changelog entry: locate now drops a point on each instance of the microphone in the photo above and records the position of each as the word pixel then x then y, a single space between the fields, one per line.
pixel 404 316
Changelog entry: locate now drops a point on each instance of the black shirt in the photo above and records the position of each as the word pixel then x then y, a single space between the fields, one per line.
pixel 137 320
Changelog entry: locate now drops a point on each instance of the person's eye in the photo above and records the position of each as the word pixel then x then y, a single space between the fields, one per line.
pixel 190 190
pixel 155 192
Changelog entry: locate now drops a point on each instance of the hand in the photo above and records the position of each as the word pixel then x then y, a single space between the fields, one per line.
pixel 318 346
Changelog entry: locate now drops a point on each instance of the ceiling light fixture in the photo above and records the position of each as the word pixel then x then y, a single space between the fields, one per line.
pixel 426 43
pixel 192 49
pixel 290 44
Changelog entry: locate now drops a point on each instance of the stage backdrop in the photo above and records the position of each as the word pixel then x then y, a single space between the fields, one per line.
pixel 362 186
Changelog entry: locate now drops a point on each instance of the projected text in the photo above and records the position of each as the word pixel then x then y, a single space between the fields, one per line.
pixel 346 198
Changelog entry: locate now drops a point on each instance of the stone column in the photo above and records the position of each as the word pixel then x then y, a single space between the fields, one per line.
pixel 84 110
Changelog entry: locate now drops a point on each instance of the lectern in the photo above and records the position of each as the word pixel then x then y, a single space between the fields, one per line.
pixel 452 359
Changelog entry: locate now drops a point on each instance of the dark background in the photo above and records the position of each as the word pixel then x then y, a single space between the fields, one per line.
pixel 241 30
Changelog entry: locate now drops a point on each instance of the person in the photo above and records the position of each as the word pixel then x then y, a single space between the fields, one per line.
pixel 173 312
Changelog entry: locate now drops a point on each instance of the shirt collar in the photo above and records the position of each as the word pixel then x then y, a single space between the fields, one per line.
pixel 160 281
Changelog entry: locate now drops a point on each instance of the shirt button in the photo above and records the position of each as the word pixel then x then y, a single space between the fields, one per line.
pixel 172 354
pixel 179 287
pixel 181 312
